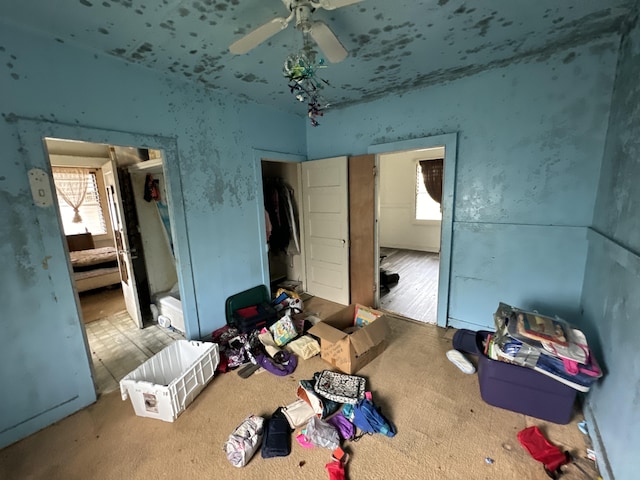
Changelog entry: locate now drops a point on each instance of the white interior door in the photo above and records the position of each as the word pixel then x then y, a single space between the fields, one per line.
pixel 326 234
pixel 116 212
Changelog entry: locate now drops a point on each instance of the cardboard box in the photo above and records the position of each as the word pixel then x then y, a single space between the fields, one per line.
pixel 349 350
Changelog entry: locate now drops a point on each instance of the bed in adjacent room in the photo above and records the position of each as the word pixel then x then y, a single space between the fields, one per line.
pixel 92 267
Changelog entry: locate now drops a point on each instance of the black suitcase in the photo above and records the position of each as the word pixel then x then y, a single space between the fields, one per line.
pixel 265 316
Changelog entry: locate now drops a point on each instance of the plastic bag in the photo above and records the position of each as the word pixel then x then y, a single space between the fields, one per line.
pixel 244 441
pixel 322 434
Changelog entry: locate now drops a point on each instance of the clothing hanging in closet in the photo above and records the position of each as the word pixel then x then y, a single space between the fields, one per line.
pixel 280 205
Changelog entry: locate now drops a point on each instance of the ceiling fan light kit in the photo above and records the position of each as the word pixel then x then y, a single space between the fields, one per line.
pixel 301 67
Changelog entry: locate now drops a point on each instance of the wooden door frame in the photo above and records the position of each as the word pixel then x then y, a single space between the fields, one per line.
pixel 363 282
pixel 450 143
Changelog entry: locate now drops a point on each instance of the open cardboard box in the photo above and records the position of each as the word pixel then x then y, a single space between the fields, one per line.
pixel 349 352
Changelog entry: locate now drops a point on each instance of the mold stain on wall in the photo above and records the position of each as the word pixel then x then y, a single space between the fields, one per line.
pixel 16 237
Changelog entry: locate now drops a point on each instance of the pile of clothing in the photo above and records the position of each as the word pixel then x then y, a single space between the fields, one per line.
pixel 270 335
pixel 331 408
pixel 548 345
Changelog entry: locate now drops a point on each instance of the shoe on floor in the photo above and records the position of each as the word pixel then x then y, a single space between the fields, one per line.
pixel 460 361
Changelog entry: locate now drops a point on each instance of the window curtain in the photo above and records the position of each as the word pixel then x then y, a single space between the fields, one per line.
pixel 432 171
pixel 71 185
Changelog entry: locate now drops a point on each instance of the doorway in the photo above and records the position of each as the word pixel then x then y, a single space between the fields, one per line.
pixel 314 257
pixel 450 143
pixel 113 206
pixel 409 225
pixel 441 265
pixel 281 187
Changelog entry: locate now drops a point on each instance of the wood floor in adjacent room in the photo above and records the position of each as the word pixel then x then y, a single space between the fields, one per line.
pixel 101 303
pixel 415 296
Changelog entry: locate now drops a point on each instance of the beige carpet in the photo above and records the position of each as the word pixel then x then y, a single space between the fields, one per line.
pixel 445 431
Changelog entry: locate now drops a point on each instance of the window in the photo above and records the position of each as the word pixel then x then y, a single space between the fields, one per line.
pixel 426 207
pixel 90 208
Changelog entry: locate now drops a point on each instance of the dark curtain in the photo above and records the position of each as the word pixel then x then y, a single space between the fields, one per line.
pixel 432 171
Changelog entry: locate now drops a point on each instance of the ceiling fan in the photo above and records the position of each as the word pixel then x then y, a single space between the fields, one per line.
pixel 301 11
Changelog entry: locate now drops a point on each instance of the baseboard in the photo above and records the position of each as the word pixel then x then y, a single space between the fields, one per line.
pixel 594 434
pixel 418 248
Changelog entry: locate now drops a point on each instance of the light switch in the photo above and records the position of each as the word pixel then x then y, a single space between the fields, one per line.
pixel 40 187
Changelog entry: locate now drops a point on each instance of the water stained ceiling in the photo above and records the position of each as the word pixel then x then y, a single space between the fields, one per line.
pixel 393 45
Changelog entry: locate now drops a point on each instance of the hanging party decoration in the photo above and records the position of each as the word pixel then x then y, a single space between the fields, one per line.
pixel 301 70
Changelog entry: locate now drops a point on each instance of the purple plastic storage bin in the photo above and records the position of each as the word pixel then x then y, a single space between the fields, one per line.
pixel 516 388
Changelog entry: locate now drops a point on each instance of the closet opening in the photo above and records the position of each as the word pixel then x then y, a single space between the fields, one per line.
pixel 281 185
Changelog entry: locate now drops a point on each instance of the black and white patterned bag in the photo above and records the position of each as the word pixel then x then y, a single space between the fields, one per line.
pixel 340 387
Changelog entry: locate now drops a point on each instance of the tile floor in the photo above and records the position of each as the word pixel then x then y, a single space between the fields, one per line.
pixel 119 347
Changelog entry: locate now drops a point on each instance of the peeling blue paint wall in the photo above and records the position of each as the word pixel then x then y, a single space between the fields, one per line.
pixel 530 143
pixel 612 280
pixel 43 361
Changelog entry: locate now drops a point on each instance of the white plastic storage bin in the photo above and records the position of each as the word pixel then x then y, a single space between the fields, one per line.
pixel 171 312
pixel 163 386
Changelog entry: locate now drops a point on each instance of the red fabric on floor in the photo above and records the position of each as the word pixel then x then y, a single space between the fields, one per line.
pixel 336 470
pixel 538 446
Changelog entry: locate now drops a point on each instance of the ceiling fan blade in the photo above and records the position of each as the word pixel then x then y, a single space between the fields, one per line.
pixel 328 42
pixel 259 35
pixel 333 4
